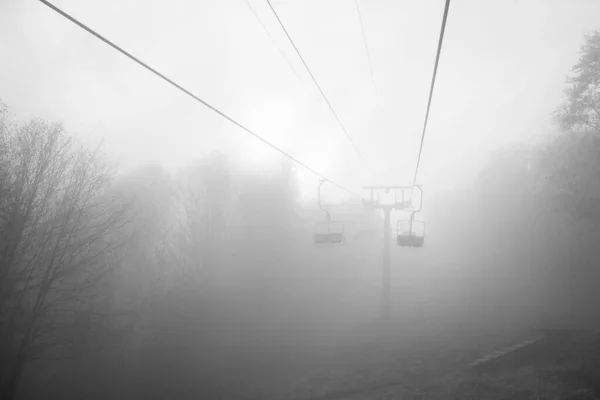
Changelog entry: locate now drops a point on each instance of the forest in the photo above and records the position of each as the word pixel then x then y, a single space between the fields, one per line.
pixel 205 283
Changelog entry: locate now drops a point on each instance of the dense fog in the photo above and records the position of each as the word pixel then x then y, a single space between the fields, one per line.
pixel 205 281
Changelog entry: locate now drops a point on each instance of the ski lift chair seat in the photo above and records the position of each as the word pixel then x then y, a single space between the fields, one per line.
pixel 329 234
pixel 405 239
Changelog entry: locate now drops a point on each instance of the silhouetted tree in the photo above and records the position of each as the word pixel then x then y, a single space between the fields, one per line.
pixel 58 238
pixel 581 110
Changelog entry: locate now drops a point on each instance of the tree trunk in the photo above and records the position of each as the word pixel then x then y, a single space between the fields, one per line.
pixel 11 391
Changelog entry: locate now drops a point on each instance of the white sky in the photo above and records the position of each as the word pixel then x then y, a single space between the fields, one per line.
pixel 502 71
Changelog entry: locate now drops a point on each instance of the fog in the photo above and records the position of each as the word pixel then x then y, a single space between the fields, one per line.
pixel 149 248
pixel 495 84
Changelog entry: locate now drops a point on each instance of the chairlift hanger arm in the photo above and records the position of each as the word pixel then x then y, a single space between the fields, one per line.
pixel 321 182
pixel 420 202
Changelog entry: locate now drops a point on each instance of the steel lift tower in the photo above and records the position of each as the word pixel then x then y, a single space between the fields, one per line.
pixel 404 239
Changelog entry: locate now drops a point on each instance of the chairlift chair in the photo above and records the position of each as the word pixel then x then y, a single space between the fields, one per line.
pixel 412 235
pixel 329 233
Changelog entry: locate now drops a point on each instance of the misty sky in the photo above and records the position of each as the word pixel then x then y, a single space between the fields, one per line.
pixel 502 71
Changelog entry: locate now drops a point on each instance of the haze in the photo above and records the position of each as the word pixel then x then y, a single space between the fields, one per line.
pixel 187 259
pixel 502 69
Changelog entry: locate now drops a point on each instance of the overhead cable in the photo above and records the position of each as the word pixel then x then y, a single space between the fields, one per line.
pixel 316 83
pixel 190 94
pixel 364 36
pixel 272 39
pixel 435 68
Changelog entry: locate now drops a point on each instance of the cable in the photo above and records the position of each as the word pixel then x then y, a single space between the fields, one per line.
pixel 273 40
pixel 435 68
pixel 315 82
pixel 362 28
pixel 222 114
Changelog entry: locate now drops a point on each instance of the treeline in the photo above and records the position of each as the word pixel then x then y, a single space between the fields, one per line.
pixel 151 284
pixel 520 246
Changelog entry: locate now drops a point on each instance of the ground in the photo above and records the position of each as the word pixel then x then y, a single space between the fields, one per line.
pixel 390 369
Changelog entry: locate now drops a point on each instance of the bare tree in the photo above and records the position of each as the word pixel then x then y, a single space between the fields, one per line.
pixel 59 236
